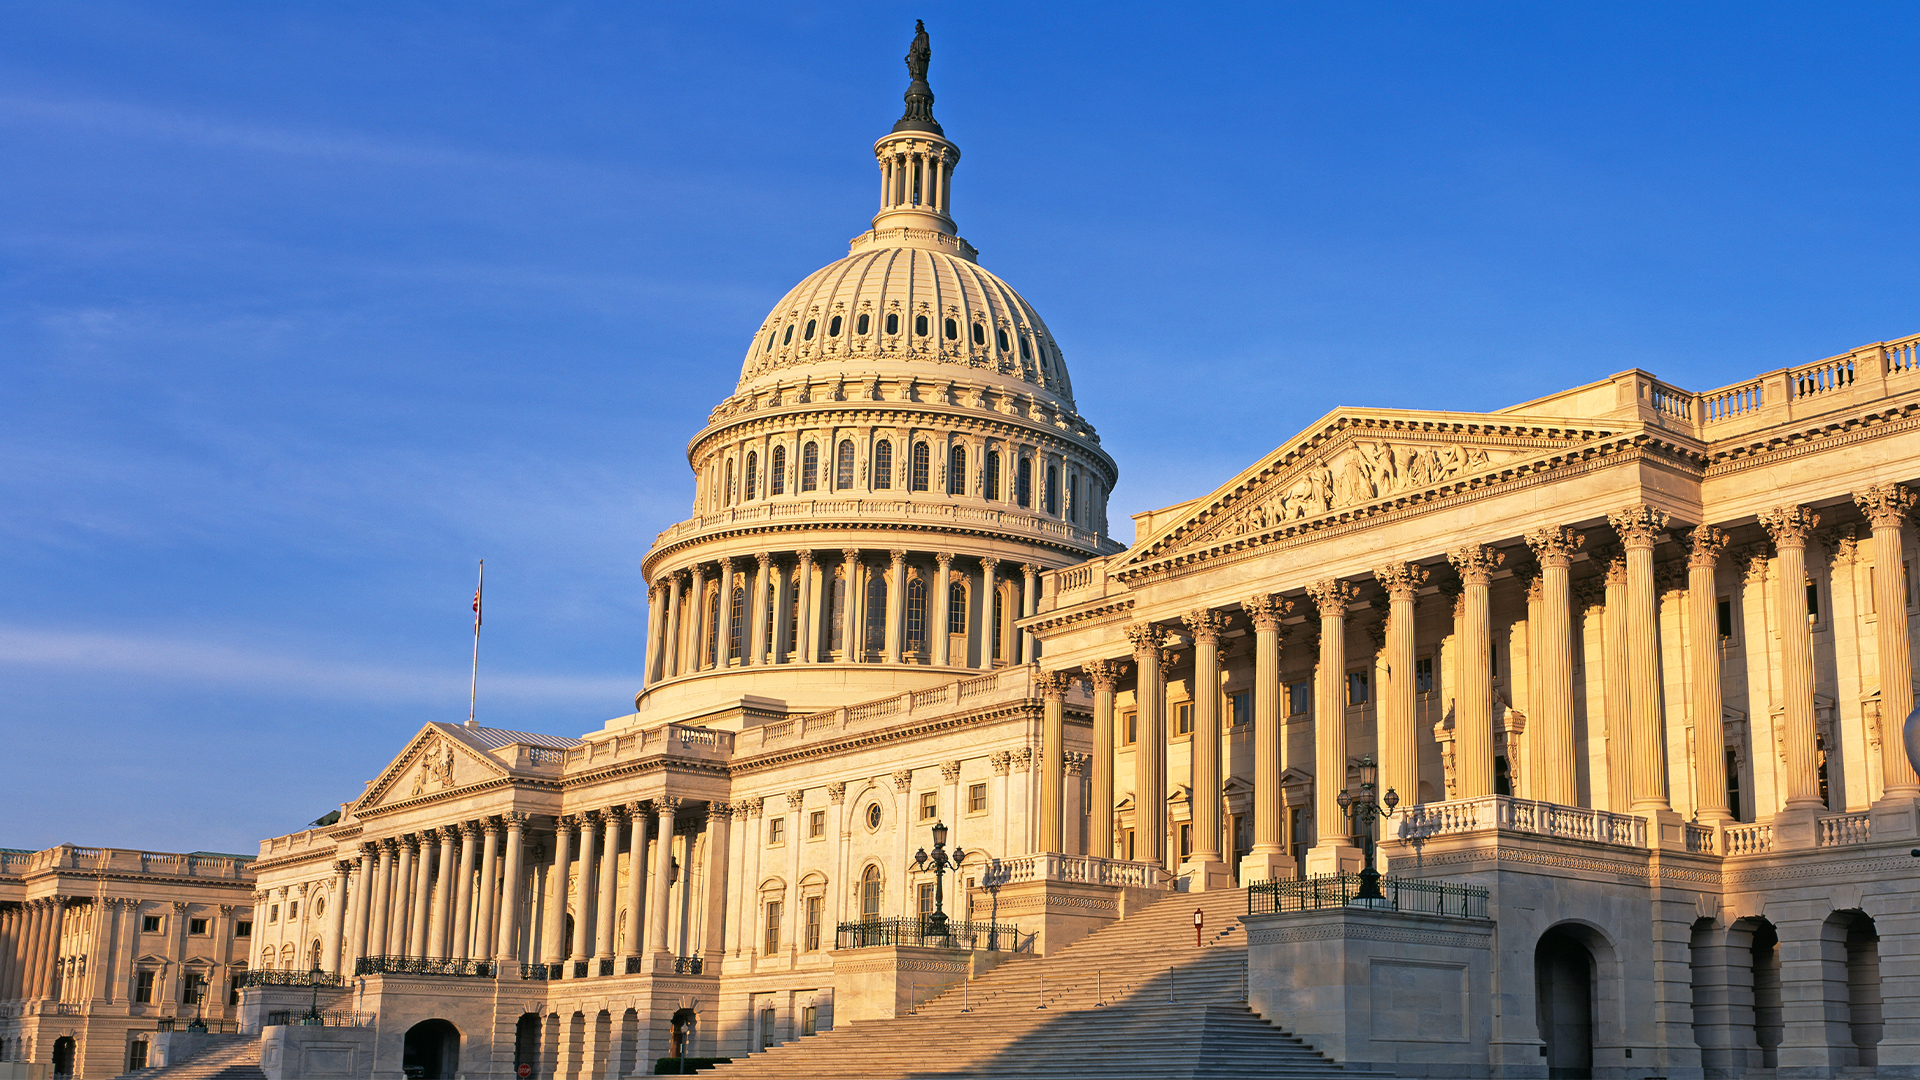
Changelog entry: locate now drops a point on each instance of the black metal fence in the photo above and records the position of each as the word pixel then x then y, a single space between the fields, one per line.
pixel 688 965
pixel 301 979
pixel 534 972
pixel 1337 890
pixel 296 1017
pixel 979 937
pixel 420 965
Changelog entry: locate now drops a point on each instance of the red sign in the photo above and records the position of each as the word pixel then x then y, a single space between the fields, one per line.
pixel 523 1070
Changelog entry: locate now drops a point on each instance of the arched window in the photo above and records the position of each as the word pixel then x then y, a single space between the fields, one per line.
pixel 979 334
pixel 1026 350
pixel 999 619
pixel 773 612
pixel 917 616
pixel 870 893
pixel 736 630
pixel 837 614
pixel 833 327
pixel 713 627
pixel 787 338
pixel 1053 490
pixel 770 337
pixel 957 471
pixel 795 643
pixel 266 958
pixel 862 324
pixel 1023 482
pixel 882 465
pixel 286 957
pixel 313 954
pixel 893 323
pixel 957 608
pixel 992 484
pixel 922 465
pixel 810 467
pixel 753 473
pixel 953 330
pixel 920 325
pixel 1000 338
pixel 843 466
pixel 876 614
pixel 812 324
pixel 726 491
pixel 777 472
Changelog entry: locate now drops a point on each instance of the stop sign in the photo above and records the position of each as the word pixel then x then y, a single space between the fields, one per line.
pixel 523 1070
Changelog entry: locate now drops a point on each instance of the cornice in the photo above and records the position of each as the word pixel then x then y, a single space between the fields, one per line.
pixel 1026 708
pixel 650 562
pixel 1837 434
pixel 366 813
pixel 1120 606
pixel 871 413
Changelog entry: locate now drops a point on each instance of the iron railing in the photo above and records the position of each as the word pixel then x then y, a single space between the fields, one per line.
pixel 534 972
pixel 688 965
pixel 301 979
pixel 420 965
pixel 296 1017
pixel 979 937
pixel 1337 890
pixel 606 965
pixel 580 969
pixel 636 965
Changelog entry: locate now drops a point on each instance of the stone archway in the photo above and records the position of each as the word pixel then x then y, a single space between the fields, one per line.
pixel 431 1051
pixel 1563 972
pixel 63 1056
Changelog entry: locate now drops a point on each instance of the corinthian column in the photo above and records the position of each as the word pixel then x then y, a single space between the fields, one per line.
pixel 442 895
pixel 723 641
pixel 553 944
pixel 989 627
pixel 507 946
pixel 1268 860
pixel 403 889
pixel 853 598
pixel 1553 729
pixel 608 878
pixel 636 875
pixel 1204 869
pixel 1399 736
pixel 664 809
pixel 1029 606
pixel 1639 528
pixel 942 603
pixel 1105 675
pixel 670 644
pixel 362 901
pixel 1150 749
pixel 1052 686
pixel 756 651
pixel 478 944
pixel 336 941
pixel 1887 507
pixel 896 603
pixel 1790 526
pixel 1473 709
pixel 806 647
pixel 693 627
pixel 1333 845
pixel 583 896
pixel 1704 545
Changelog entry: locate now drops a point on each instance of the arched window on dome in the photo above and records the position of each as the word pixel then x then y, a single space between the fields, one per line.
pixel 999 619
pixel 922 466
pixel 726 491
pixel 843 465
pixel 753 474
pixel 837 612
pixel 713 628
pixel 957 471
pixel 953 330
pixel 875 638
pixel 893 323
pixel 737 630
pixel 1023 482
pixel 917 617
pixel 833 327
pixel 770 336
pixel 787 338
pixel 812 325
pixel 777 472
pixel 957 609
pixel 992 484
pixel 810 467
pixel 979 334
pixel 794 641
pixel 772 608
pixel 1026 349
pixel 1000 338
pixel 1053 490
pixel 862 324
pixel 883 465
pixel 920 325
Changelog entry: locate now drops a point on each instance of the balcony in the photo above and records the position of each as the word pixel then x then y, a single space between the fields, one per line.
pixel 420 965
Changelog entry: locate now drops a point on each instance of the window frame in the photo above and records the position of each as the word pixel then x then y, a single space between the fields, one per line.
pixel 883 465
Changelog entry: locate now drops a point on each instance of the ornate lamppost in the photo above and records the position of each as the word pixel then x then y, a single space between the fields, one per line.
pixel 312 1019
pixel 1363 808
pixel 939 862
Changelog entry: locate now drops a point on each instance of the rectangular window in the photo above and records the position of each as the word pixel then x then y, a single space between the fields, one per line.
pixel 809 1020
pixel 1723 614
pixel 817 824
pixel 243 928
pixel 1129 728
pixel 929 805
pixel 143 987
pixel 776 831
pixel 1733 784
pixel 1357 687
pixel 1300 698
pixel 813 923
pixel 293 911
pixel 1240 708
pixel 273 913
pixel 1296 842
pixel 149 924
pixel 1423 680
pixel 977 799
pixel 774 909
pixel 193 988
pixel 1183 718
pixel 956 609
pixel 923 898
pixel 197 927
pixel 1186 840
pixel 1813 601
pixel 1129 845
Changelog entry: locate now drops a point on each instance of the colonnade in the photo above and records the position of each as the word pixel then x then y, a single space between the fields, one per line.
pixel 789 613
pixel 917 174
pixel 30 948
pixel 1632 652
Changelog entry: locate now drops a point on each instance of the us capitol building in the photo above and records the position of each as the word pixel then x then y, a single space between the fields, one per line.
pixel 1616 678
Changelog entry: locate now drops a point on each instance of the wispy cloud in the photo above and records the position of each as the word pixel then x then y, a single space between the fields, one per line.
pixel 219 664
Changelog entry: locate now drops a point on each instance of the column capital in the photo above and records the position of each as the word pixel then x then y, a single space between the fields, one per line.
pixel 1001 762
pixel 1704 545
pixel 988 563
pixel 896 556
pixel 1790 526
pixel 666 805
pixel 1266 610
pixel 720 810
pixel 1885 504
pixel 516 819
pixel 343 867
pixel 410 842
pixel 1476 563
pixel 1147 638
pixel 1842 543
pixel 681 577
pixel 1030 569
pixel 851 555
pixel 1332 596
pixel 944 558
pixel 1106 674
pixel 837 791
pixel 902 779
pixel 1555 546
pixel 764 558
pixel 749 807
pixel 1401 580
pixel 569 822
pixel 949 771
pixel 1207 625
pixel 1052 684
pixel 796 799
pixel 1638 526
pixel 726 564
pixel 614 814
pixel 370 849
pixel 804 556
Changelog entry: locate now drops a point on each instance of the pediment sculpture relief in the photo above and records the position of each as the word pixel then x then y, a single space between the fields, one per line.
pixel 1360 473
pixel 436 765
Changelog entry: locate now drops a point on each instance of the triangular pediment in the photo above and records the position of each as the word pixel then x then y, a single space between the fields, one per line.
pixel 1352 463
pixel 438 759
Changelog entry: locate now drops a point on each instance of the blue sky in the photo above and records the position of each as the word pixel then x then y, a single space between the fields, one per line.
pixel 306 307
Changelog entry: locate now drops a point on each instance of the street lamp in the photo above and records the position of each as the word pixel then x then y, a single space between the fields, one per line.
pixel 940 862
pixel 1363 808
pixel 312 1019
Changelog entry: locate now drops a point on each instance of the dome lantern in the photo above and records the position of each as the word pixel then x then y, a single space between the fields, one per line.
pixel 916 162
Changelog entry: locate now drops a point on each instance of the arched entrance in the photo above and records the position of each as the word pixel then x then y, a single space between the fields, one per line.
pixel 431 1051
pixel 526 1042
pixel 678 1042
pixel 1563 986
pixel 63 1056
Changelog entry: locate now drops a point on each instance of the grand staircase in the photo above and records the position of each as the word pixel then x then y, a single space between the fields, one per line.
pixel 230 1057
pixel 1136 999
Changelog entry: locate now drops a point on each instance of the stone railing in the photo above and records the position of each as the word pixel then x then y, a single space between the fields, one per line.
pixel 1082 869
pixel 1700 839
pixel 1749 839
pixel 673 740
pixel 1870 371
pixel 919 512
pixel 1508 814
pixel 1844 830
pixel 1013 683
pixel 69 857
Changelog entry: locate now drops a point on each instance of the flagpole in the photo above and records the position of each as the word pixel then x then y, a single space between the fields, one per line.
pixel 473 692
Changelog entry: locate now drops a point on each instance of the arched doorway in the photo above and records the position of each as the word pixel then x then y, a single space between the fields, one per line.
pixel 1563 986
pixel 526 1042
pixel 431 1051
pixel 63 1056
pixel 678 1042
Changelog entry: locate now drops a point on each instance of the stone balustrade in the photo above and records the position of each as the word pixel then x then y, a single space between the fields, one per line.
pixel 1508 814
